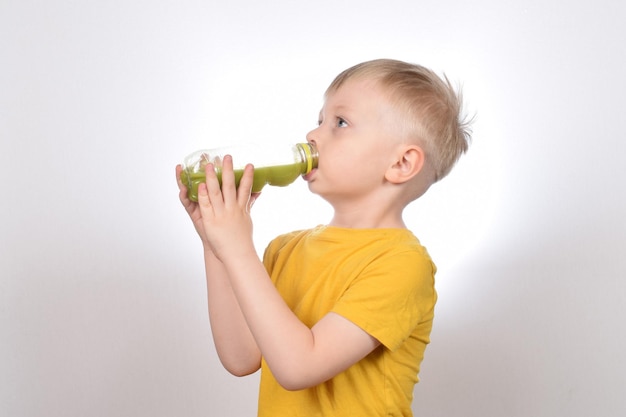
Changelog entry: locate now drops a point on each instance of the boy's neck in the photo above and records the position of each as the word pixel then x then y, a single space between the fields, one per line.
pixel 380 209
pixel 366 219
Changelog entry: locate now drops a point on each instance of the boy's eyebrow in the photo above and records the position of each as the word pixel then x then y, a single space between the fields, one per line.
pixel 336 109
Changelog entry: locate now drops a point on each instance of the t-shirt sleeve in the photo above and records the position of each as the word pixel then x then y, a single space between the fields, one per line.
pixel 391 296
pixel 274 247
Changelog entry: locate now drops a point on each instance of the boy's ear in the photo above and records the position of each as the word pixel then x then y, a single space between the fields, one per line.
pixel 410 161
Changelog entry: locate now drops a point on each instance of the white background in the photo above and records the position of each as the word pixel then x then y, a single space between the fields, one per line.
pixel 102 294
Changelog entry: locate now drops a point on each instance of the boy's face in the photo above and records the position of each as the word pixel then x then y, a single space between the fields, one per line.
pixel 357 139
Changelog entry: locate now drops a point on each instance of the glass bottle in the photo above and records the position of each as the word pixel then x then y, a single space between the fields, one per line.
pixel 273 166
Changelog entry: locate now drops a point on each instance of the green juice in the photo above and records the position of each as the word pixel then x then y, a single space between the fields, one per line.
pixel 280 175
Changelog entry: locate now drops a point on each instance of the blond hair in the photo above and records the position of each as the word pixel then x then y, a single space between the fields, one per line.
pixel 430 107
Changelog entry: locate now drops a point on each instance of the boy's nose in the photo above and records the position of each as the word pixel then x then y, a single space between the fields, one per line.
pixel 311 137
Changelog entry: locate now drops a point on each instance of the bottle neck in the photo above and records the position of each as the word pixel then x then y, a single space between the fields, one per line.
pixel 309 155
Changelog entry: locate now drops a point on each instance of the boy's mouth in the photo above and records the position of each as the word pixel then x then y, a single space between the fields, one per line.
pixel 308 177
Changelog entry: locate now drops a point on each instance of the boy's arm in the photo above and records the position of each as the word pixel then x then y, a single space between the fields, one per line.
pixel 235 345
pixel 298 356
pixel 233 341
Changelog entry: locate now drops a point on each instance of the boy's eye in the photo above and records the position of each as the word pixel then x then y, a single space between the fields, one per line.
pixel 341 122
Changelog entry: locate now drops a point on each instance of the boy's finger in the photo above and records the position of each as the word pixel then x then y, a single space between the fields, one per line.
pixel 245 186
pixel 213 191
pixel 228 179
pixel 179 169
pixel 182 189
pixel 203 196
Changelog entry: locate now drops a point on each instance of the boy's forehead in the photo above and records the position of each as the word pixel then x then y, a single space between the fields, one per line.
pixel 336 104
pixel 354 92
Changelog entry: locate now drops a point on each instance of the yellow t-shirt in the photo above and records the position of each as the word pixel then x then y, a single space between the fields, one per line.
pixel 382 280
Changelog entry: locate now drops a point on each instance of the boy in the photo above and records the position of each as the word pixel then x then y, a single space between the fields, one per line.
pixel 337 317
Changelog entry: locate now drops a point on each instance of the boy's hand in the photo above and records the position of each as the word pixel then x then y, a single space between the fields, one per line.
pixel 193 208
pixel 225 212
